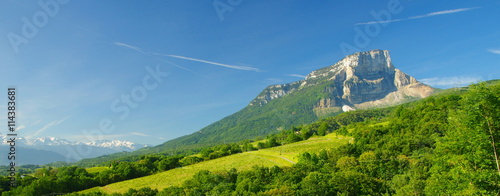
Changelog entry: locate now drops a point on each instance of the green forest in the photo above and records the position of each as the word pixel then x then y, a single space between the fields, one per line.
pixel 446 144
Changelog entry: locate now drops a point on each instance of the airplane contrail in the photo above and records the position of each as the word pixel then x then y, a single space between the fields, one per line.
pixel 210 62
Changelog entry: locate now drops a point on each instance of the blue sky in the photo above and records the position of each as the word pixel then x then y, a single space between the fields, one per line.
pixel 75 62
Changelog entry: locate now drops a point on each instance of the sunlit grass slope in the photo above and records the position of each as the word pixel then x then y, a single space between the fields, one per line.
pixel 96 169
pixel 285 155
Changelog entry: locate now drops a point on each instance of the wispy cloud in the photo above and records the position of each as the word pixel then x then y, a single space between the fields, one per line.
pixel 421 16
pixel 443 12
pixel 451 81
pixel 20 127
pixel 140 134
pixel 181 67
pixel 379 22
pixel 121 136
pixel 36 122
pixel 131 47
pixel 91 138
pixel 494 51
pixel 246 68
pixel 148 54
pixel 53 123
pixel 296 75
pixel 274 80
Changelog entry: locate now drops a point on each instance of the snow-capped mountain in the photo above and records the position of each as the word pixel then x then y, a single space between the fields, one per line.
pixel 125 145
pixel 48 141
pixel 51 149
pixel 54 141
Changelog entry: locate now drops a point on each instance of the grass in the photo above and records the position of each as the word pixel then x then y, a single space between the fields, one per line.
pixel 291 151
pixel 96 169
pixel 285 155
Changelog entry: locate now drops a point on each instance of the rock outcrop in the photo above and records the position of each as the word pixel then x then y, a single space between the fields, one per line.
pixel 361 80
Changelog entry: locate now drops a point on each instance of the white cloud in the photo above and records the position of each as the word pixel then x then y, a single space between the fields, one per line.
pixel 451 81
pixel 140 134
pixel 296 75
pixel 494 51
pixel 246 68
pixel 53 123
pixel 421 16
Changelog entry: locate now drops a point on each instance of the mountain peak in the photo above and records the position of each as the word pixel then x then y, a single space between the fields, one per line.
pixel 369 63
pixel 360 80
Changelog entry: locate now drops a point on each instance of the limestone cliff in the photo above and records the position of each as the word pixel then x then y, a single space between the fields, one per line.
pixel 361 80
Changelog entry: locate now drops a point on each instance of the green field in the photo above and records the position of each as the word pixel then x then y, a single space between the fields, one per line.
pixel 96 169
pixel 281 156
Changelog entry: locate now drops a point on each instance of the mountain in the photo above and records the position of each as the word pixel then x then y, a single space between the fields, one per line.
pixel 45 150
pixel 359 81
pixel 362 80
pixel 117 145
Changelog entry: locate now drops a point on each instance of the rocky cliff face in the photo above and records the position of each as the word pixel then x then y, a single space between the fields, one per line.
pixel 361 80
pixel 274 92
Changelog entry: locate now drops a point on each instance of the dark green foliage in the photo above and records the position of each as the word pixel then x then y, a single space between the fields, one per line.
pixel 146 191
pixel 50 180
pixel 261 145
pixel 169 163
pixel 190 160
pixel 293 137
pixel 271 142
pixel 323 129
pixel 246 146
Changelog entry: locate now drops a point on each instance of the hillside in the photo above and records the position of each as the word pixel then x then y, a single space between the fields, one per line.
pixel 286 155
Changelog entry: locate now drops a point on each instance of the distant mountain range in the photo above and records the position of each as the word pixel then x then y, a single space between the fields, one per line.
pixel 44 150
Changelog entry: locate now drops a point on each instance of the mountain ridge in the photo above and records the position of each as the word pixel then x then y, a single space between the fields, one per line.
pixel 359 81
pixel 372 65
pixel 43 150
